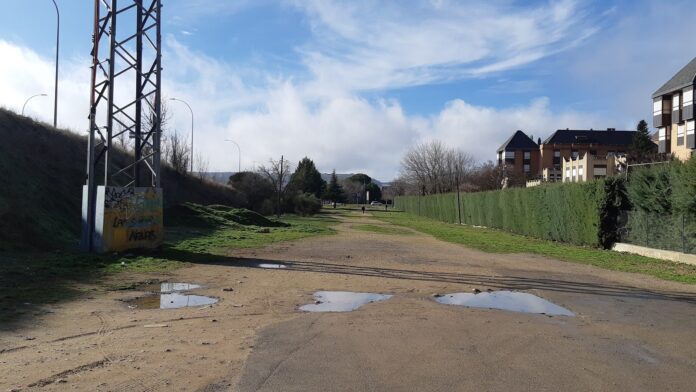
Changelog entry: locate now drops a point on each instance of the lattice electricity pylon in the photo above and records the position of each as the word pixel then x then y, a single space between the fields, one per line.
pixel 125 97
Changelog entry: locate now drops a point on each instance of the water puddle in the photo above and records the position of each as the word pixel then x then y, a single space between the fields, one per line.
pixel 171 301
pixel 505 300
pixel 167 287
pixel 341 301
pixel 172 287
pixel 170 297
pixel 271 265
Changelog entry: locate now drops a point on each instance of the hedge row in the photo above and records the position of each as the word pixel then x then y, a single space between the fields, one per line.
pixel 584 214
pixel 663 206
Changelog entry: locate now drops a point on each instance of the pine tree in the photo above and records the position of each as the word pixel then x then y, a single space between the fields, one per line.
pixel 307 179
pixel 642 148
pixel 334 191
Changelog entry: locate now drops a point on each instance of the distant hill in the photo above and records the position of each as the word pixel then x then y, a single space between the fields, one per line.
pixel 223 177
pixel 217 177
pixel 43 170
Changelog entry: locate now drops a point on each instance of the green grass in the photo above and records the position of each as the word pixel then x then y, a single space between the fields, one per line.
pixel 382 229
pixel 39 277
pixel 495 241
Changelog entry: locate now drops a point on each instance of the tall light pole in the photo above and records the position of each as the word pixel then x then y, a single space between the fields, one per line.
pixel 191 110
pixel 55 94
pixel 239 156
pixel 29 99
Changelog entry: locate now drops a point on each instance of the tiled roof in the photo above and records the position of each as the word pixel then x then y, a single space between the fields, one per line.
pixel 610 138
pixel 681 79
pixel 518 141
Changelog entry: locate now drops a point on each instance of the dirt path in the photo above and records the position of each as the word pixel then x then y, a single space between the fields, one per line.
pixel 630 332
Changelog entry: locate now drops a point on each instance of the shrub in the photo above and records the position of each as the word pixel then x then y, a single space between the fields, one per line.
pixel 574 213
pixel 306 204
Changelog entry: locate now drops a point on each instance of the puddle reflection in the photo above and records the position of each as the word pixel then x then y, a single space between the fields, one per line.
pixel 271 265
pixel 342 301
pixel 171 301
pixel 505 300
pixel 169 297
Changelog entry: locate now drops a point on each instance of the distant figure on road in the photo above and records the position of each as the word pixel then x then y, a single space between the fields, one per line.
pixel 334 205
pixel 385 206
pixel 363 209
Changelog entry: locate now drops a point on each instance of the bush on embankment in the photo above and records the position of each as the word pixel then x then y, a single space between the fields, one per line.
pixel 43 170
pixel 583 214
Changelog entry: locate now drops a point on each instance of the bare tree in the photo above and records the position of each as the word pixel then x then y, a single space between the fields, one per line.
pixel 353 190
pixel 278 173
pixel 176 152
pixel 434 168
pixel 202 165
pixel 123 138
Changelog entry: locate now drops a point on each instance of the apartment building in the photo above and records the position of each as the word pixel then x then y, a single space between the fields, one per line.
pixel 587 167
pixel 519 154
pixel 571 144
pixel 673 113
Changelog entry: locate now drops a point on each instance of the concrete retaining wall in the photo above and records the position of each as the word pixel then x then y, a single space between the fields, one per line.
pixel 656 253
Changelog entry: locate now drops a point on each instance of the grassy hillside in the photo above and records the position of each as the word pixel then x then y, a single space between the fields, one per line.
pixel 42 170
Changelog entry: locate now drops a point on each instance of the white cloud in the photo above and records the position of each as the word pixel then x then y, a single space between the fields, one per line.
pixel 24 73
pixel 365 44
pixel 361 45
pixel 343 131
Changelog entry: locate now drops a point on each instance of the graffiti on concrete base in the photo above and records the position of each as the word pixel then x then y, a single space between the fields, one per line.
pixel 142 235
pixel 132 218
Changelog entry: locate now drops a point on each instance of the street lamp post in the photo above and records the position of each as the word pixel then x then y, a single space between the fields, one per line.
pixel 191 110
pixel 29 99
pixel 55 93
pixel 239 155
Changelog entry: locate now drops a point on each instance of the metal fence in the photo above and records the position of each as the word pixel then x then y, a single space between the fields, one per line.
pixel 669 232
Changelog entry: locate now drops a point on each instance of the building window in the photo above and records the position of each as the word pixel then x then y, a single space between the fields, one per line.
pixel 567 174
pixel 675 102
pixel 661 134
pixel 574 154
pixel 581 171
pixel 556 157
pixel 657 107
pixel 575 172
pixel 689 128
pixel 680 134
pixel 509 157
pixel 527 155
pixel 688 96
pixel 526 168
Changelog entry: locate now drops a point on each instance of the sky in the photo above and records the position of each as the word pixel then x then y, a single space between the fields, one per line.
pixel 354 84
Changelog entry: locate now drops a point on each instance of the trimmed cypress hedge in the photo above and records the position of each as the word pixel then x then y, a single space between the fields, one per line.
pixel 578 213
pixel 663 199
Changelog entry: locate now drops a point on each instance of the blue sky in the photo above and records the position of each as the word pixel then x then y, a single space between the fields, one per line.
pixel 354 84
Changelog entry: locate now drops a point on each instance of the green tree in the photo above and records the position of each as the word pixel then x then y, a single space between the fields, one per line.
pixel 642 148
pixel 307 179
pixel 334 191
pixel 360 178
pixel 253 190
